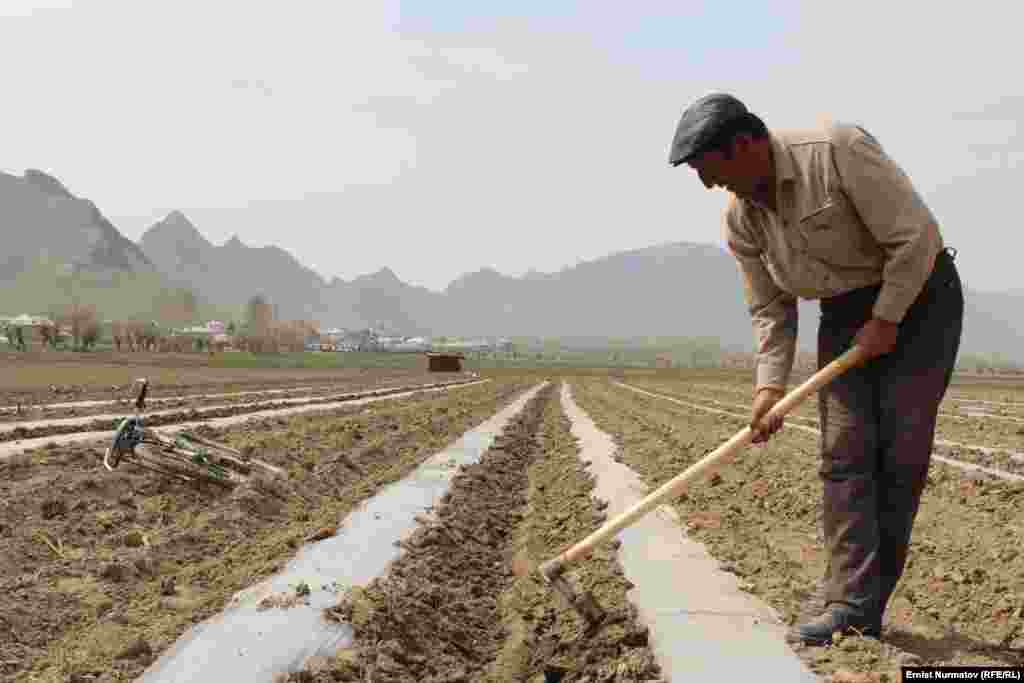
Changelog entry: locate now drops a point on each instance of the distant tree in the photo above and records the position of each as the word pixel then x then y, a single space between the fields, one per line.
pixel 151 336
pixel 259 315
pixel 131 334
pixel 80 319
pixel 117 333
pixel 48 334
pixel 90 334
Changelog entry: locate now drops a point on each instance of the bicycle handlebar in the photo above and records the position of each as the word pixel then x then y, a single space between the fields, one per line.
pixel 140 402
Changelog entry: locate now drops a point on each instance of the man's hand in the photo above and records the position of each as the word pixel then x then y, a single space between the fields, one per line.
pixel 764 427
pixel 877 337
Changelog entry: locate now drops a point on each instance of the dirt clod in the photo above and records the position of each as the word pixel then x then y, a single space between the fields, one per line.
pixel 460 604
pixel 134 539
pixel 139 648
pixel 114 571
pixel 53 508
pixel 959 597
pixel 322 533
pixel 554 674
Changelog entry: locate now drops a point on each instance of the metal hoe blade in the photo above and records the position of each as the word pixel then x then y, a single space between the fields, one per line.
pixel 584 603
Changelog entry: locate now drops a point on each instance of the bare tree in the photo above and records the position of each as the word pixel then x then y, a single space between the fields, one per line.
pixel 292 335
pixel 49 334
pixel 260 337
pixel 259 315
pixel 90 334
pixel 132 331
pixel 136 335
pixel 117 333
pixel 81 320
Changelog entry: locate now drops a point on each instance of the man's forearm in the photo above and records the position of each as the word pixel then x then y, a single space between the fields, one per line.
pixel 777 334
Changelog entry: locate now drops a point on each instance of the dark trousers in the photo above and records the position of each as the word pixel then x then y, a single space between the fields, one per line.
pixel 878 426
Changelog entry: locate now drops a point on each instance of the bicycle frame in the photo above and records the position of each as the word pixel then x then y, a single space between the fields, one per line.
pixel 129 432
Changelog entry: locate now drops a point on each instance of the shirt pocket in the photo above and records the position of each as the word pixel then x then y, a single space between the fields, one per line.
pixel 832 234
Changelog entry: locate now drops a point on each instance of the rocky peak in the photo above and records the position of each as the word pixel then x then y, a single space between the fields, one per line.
pixel 47 183
pixel 175 230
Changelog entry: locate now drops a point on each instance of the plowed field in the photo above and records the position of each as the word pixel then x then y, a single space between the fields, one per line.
pixel 100 571
pixel 960 598
pixel 463 604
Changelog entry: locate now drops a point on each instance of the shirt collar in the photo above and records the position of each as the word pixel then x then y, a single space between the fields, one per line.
pixel 785 172
pixel 785 169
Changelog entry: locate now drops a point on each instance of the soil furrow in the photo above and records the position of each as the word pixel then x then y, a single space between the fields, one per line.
pixel 950 405
pixel 959 600
pixel 989 453
pixel 465 602
pixel 161 418
pixel 983 431
pixel 124 402
pixel 48 377
pixel 95 563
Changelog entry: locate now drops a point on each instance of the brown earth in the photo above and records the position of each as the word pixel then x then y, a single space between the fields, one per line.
pixel 94 563
pixel 741 393
pixel 125 397
pixel 157 420
pixel 28 377
pixel 971 431
pixel 960 599
pixel 464 603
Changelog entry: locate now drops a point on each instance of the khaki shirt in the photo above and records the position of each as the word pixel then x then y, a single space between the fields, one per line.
pixel 848 217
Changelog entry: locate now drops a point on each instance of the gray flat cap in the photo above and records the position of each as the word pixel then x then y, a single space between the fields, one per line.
pixel 699 124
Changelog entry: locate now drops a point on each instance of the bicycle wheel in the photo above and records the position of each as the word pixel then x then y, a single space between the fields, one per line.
pixel 127 436
pixel 228 457
pixel 169 459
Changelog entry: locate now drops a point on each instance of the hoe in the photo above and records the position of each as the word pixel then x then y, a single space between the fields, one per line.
pixel 552 571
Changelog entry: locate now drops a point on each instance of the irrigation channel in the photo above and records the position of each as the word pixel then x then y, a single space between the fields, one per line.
pixel 252 642
pixel 667 628
pixel 102 571
pixel 759 515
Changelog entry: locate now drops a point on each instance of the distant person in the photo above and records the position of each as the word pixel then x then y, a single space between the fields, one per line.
pixel 826 214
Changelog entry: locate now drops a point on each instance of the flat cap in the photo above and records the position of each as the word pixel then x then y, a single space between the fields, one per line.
pixel 700 123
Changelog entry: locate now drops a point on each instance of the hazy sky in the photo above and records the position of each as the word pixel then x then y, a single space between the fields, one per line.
pixel 437 138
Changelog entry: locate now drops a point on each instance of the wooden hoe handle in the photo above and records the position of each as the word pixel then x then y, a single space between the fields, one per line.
pixel 672 488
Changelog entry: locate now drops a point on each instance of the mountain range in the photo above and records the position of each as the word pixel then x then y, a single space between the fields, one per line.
pixel 42 220
pixel 674 289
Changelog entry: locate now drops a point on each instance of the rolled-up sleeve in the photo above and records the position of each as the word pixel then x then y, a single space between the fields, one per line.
pixel 895 214
pixel 773 311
